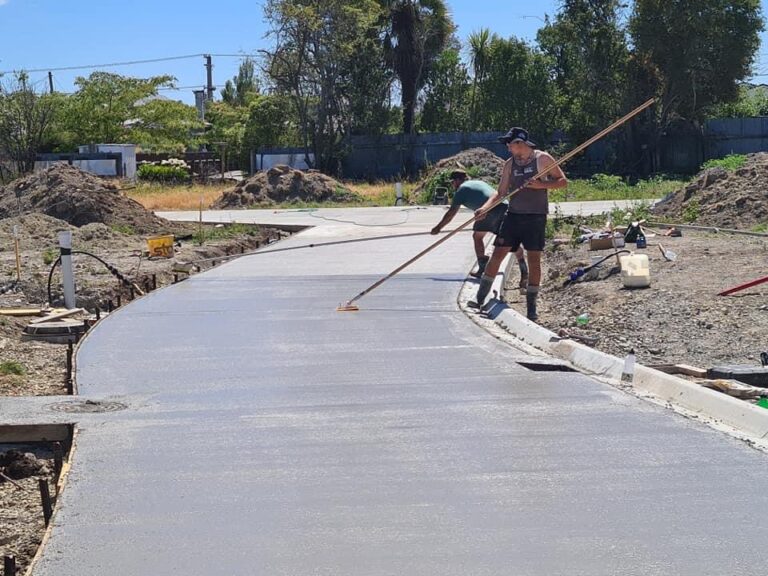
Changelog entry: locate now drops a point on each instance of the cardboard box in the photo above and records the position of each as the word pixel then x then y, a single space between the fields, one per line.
pixel 605 243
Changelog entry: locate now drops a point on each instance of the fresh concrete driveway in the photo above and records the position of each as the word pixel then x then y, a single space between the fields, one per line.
pixel 267 433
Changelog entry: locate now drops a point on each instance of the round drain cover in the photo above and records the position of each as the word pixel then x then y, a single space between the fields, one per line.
pixel 87 406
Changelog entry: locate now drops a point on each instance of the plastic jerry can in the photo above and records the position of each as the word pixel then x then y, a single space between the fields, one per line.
pixel 635 271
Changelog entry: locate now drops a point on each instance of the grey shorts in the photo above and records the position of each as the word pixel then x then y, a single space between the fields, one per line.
pixel 492 222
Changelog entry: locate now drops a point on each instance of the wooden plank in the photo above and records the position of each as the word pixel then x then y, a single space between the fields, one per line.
pixel 58 315
pixel 680 369
pixel 691 370
pixel 10 433
pixel 734 388
pixel 20 312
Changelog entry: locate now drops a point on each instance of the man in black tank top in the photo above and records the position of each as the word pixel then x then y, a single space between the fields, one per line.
pixel 526 219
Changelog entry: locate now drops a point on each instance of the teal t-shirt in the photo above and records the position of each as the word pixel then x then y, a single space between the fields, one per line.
pixel 473 194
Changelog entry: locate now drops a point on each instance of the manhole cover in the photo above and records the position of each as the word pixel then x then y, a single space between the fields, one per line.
pixel 87 406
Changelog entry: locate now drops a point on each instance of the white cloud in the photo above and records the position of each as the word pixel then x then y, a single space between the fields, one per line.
pixel 3 2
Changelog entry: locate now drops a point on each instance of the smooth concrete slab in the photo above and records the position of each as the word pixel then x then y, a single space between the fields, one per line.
pixel 266 433
pixel 374 217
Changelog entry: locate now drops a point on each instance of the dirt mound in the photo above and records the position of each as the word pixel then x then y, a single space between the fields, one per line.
pixel 284 184
pixel 18 465
pixel 717 197
pixel 484 164
pixel 79 198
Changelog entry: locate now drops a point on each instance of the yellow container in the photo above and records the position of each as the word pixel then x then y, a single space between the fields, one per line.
pixel 160 246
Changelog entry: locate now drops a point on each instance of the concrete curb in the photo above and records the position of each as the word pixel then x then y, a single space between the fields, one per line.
pixel 750 420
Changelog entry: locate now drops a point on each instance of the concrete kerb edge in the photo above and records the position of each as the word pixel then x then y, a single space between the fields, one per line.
pixel 682 395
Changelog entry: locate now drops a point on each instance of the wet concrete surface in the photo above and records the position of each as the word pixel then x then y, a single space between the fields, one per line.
pixel 266 433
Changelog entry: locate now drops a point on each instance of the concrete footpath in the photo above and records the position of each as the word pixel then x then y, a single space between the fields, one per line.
pixel 266 433
pixel 384 216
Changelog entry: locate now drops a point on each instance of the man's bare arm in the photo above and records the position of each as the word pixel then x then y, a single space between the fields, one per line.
pixel 554 179
pixel 452 211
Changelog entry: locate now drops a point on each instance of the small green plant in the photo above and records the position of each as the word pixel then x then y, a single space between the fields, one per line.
pixel 12 368
pixel 126 229
pixel 50 255
pixel 731 162
pixel 760 227
pixel 692 211
pixel 607 182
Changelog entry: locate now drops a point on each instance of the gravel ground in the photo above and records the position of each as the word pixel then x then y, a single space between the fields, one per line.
pixel 680 318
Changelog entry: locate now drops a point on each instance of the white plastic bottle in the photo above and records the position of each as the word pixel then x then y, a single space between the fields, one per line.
pixel 628 373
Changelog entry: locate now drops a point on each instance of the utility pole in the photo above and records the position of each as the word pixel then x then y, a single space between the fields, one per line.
pixel 50 81
pixel 209 70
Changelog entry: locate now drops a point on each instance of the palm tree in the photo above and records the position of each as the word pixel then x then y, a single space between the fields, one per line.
pixel 416 32
pixel 479 55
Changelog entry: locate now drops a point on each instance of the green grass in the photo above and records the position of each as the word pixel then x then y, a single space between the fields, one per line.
pixel 731 162
pixel 607 187
pixel 226 232
pixel 12 368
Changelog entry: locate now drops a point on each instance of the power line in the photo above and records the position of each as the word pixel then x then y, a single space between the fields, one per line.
pixel 91 66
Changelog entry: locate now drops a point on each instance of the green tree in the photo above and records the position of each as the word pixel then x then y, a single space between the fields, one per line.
pixel 26 119
pixel 105 105
pixel 516 89
pixel 752 101
pixel 270 123
pixel 691 55
pixel 163 125
pixel 226 124
pixel 417 33
pixel 313 63
pixel 244 85
pixel 447 95
pixel 479 55
pixel 587 47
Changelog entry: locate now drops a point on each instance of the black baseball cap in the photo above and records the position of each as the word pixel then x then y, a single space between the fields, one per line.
pixel 517 135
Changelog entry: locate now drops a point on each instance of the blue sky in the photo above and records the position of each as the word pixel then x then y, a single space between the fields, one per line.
pixel 45 34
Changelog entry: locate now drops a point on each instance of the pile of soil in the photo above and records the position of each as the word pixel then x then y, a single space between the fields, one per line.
pixel 79 198
pixel 737 199
pixel 486 163
pixel 285 184
pixel 679 318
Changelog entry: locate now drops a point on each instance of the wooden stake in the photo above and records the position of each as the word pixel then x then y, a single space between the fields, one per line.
pixel 200 225
pixel 9 566
pixel 18 252
pixel 45 497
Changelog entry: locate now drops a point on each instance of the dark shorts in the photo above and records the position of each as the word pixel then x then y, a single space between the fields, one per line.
pixel 492 222
pixel 526 229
